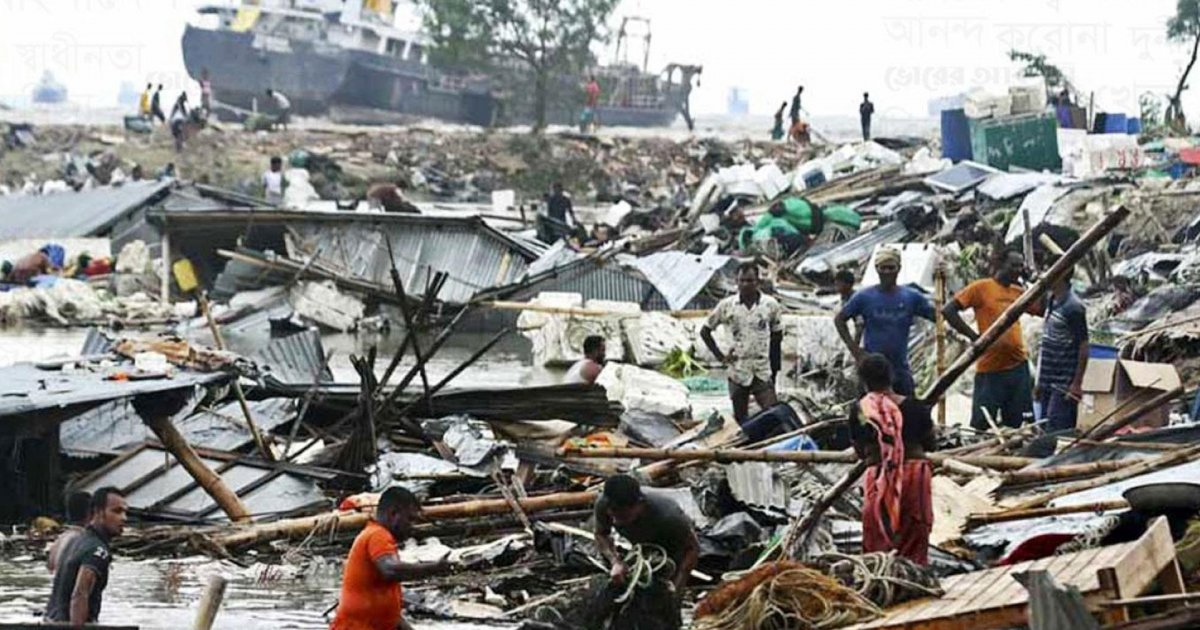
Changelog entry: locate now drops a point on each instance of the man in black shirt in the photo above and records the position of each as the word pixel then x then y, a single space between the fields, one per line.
pixel 83 569
pixel 794 112
pixel 559 205
pixel 866 109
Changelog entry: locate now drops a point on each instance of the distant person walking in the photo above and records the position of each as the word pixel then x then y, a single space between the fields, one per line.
pixel 144 102
pixel 274 182
pixel 156 106
pixel 866 109
pixel 179 116
pixel 794 112
pixel 205 92
pixel 284 106
pixel 589 120
pixel 777 130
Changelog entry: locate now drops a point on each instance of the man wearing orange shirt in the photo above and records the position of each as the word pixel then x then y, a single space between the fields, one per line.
pixel 1003 386
pixel 371 595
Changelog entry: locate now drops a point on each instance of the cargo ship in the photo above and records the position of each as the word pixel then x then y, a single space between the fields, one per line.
pixel 336 55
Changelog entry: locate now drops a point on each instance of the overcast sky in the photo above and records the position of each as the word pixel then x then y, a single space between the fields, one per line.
pixel 905 52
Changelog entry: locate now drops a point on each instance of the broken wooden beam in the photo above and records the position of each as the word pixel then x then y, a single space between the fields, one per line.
pixel 1013 313
pixel 354 520
pixel 994 462
pixel 1059 473
pixel 212 484
pixel 975 520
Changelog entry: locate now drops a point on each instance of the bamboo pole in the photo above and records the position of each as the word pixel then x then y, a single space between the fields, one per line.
pixel 353 520
pixel 799 530
pixel 976 520
pixel 803 457
pixel 259 442
pixel 1013 313
pixel 584 312
pixel 939 328
pixel 1106 429
pixel 209 481
pixel 210 603
pixel 1058 473
pixel 1134 469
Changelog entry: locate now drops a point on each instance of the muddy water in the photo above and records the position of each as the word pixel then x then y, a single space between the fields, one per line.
pixel 163 595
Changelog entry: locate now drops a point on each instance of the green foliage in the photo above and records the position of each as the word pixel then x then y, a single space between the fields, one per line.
pixel 1184 26
pixel 1151 113
pixel 1037 66
pixel 681 364
pixel 545 36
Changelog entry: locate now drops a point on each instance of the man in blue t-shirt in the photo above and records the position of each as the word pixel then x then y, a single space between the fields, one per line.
pixel 887 311
pixel 1062 356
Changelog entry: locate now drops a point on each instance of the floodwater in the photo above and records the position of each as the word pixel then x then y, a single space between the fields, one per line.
pixel 163 595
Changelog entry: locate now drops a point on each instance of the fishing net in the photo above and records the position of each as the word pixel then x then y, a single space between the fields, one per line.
pixel 783 596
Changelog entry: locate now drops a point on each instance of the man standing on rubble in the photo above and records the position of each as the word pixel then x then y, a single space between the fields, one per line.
pixel 1003 387
pixel 644 518
pixel 794 112
pixel 1063 356
pixel 587 369
pixel 156 106
pixel 372 598
pixel 866 109
pixel 82 573
pixel 756 357
pixel 777 128
pixel 892 433
pixel 887 311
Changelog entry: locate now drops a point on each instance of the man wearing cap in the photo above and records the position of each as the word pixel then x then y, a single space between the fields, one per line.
pixel 887 311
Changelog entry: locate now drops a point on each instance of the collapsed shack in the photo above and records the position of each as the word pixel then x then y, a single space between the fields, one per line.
pixel 1092 523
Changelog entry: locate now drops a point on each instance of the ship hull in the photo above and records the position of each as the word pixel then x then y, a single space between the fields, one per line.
pixel 242 66
pixel 241 72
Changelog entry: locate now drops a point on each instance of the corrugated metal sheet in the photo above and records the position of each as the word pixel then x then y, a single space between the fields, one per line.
pixel 153 482
pixel 679 276
pixel 756 485
pixel 294 361
pixel 598 280
pixel 115 425
pixel 476 257
pixel 85 213
pixel 25 388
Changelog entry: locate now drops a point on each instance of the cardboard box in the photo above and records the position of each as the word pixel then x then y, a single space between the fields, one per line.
pixel 1109 383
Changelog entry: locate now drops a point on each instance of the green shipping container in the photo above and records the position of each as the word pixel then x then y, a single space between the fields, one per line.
pixel 1029 141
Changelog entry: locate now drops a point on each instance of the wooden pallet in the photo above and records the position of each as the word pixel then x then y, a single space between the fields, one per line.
pixel 983 600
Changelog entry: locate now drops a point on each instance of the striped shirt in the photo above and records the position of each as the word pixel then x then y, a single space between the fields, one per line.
pixel 1065 331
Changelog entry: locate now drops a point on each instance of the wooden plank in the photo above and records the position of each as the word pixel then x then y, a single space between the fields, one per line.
pixel 1137 568
pixel 993 599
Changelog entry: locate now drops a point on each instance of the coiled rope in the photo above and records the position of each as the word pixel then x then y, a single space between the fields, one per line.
pixel 884 578
pixel 783 596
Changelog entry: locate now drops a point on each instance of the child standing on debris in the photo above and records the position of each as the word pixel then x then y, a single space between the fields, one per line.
pixel 1063 356
pixel 1003 387
pixel 756 357
pixel 892 433
pixel 372 598
pixel 887 311
pixel 274 182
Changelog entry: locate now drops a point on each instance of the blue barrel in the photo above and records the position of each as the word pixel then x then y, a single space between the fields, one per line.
pixel 956 135
pixel 1115 123
pixel 1133 126
pixel 1099 351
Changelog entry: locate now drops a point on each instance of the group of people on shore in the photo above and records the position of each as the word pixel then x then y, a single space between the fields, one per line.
pixel 799 130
